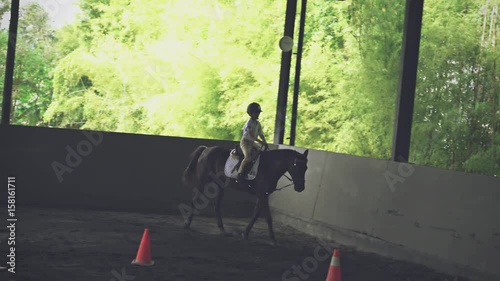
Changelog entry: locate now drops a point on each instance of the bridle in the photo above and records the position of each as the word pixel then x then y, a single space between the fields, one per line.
pixel 295 162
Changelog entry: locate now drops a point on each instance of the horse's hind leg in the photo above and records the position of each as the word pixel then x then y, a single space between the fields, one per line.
pixel 215 189
pixel 220 194
pixel 193 210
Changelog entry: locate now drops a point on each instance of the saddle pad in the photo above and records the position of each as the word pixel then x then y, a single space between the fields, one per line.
pixel 231 171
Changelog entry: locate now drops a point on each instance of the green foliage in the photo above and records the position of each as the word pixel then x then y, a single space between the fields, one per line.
pixel 172 68
pixel 351 66
pixel 32 83
pixel 456 110
pixel 189 68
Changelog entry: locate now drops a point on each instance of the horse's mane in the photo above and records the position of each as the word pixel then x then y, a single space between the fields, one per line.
pixel 280 152
pixel 273 153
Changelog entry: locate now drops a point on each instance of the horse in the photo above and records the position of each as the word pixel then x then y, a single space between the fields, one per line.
pixel 206 166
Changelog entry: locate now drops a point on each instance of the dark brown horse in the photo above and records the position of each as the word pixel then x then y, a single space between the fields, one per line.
pixel 206 169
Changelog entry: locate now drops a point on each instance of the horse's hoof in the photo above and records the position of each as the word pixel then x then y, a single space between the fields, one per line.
pixel 186 225
pixel 225 234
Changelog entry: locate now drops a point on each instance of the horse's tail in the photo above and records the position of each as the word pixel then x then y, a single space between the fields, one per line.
pixel 194 157
pixel 188 173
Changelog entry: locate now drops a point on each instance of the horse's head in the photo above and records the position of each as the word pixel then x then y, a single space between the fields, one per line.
pixel 298 169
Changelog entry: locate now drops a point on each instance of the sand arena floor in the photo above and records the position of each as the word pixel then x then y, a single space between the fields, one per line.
pixel 74 245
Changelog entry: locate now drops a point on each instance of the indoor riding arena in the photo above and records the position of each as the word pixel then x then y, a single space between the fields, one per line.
pixel 89 226
pixel 94 172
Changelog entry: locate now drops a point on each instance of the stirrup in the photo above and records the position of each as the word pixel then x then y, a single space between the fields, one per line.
pixel 240 177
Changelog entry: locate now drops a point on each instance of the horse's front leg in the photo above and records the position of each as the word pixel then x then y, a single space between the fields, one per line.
pixel 255 216
pixel 269 219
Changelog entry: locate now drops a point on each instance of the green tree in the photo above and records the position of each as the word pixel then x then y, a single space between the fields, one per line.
pixel 457 97
pixel 32 84
pixel 189 68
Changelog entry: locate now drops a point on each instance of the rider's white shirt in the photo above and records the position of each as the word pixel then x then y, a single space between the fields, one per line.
pixel 252 128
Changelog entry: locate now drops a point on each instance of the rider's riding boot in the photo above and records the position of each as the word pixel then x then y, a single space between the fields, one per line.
pixel 242 175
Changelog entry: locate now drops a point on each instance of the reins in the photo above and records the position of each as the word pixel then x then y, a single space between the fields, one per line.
pixel 291 180
pixel 278 189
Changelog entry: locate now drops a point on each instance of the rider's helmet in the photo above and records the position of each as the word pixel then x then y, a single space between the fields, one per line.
pixel 253 107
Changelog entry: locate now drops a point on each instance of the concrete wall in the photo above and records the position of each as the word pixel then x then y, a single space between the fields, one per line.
pixel 123 172
pixel 444 219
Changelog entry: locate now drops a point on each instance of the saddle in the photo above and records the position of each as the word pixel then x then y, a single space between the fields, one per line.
pixel 239 153
pixel 233 163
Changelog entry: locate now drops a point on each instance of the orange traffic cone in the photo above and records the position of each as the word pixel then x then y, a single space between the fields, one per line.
pixel 144 253
pixel 334 271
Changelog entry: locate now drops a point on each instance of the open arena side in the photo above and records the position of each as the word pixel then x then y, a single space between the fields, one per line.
pixel 86 224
